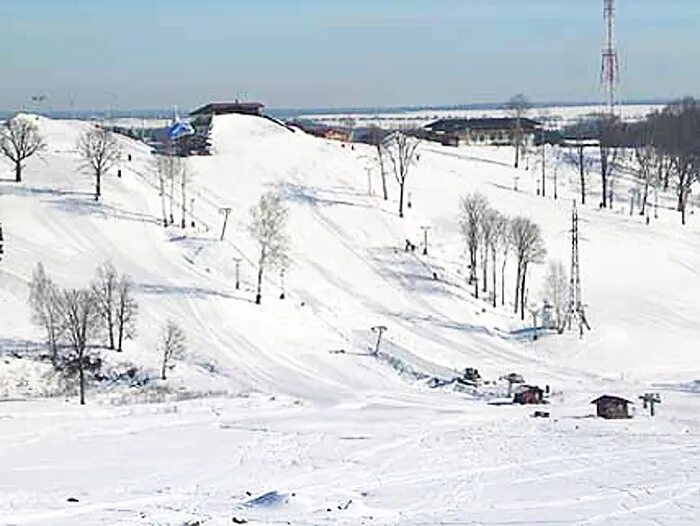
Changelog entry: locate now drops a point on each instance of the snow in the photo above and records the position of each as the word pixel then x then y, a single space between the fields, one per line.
pixel 284 399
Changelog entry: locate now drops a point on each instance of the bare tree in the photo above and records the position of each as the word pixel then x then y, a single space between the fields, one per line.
pixel 81 320
pixel 487 231
pixel 44 302
pixel 172 176
pixel 556 292
pixel 677 137
pixel 499 227
pixel 104 289
pixel 172 346
pixel 607 137
pixel 645 159
pixel 401 151
pixel 19 140
pixel 578 158
pixel 518 106
pixel 166 167
pixel 125 311
pixel 505 243
pixel 375 137
pixel 472 209
pixel 529 248
pixel 267 226
pixel 100 152
pixel 185 176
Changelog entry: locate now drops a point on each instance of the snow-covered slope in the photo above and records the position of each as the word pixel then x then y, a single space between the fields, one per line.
pixel 300 415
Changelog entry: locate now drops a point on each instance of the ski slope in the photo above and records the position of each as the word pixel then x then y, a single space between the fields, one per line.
pixel 284 395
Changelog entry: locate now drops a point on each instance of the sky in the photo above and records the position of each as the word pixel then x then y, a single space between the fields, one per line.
pixel 127 54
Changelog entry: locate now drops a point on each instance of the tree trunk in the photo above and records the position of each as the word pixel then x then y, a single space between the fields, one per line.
pixel 517 286
pixel 401 187
pixel 381 169
pixel 503 279
pixel 162 199
pixel 605 190
pixel 162 369
pixel 682 204
pixel 522 292
pixel 98 184
pixel 582 175
pixel 493 275
pixel 82 377
pixel 645 196
pixel 120 336
pixel 110 329
pixel 472 273
pixel 54 346
pixel 172 198
pixel 261 264
pixel 18 171
pixel 484 262
pixel 184 200
pixel 517 137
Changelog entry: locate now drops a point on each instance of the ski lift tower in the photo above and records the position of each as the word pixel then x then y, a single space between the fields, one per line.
pixel 576 313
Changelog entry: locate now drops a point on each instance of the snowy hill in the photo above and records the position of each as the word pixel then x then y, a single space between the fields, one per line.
pixel 294 411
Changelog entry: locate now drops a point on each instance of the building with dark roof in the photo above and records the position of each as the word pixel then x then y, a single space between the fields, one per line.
pixel 225 108
pixel 611 407
pixel 492 131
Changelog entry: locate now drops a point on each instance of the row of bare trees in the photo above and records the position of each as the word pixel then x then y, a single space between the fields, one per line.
pixel 490 238
pixel 74 319
pixel 173 171
pixel 662 152
pixel 20 139
pixel 672 138
pixel 102 315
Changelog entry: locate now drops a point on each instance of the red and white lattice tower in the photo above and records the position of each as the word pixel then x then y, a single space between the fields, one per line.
pixel 610 71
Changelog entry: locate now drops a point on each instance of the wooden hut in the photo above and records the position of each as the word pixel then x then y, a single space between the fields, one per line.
pixel 529 394
pixel 612 407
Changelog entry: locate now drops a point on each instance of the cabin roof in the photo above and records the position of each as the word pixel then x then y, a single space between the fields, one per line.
pixel 610 398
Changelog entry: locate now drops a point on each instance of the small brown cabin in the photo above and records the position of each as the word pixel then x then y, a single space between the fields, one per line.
pixel 612 407
pixel 529 394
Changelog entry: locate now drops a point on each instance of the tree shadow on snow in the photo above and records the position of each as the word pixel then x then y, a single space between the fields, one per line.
pixel 197 292
pixel 18 189
pixel 87 207
pixel 312 196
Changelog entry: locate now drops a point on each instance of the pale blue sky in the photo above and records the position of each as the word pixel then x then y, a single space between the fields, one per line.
pixel 337 53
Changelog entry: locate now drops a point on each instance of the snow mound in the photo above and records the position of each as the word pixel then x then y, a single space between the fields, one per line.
pixel 231 132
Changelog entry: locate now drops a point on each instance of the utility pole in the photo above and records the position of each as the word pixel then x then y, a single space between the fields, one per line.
pixel 576 311
pixel 226 210
pixel 2 243
pixel 425 239
pixel 238 273
pixel 379 329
